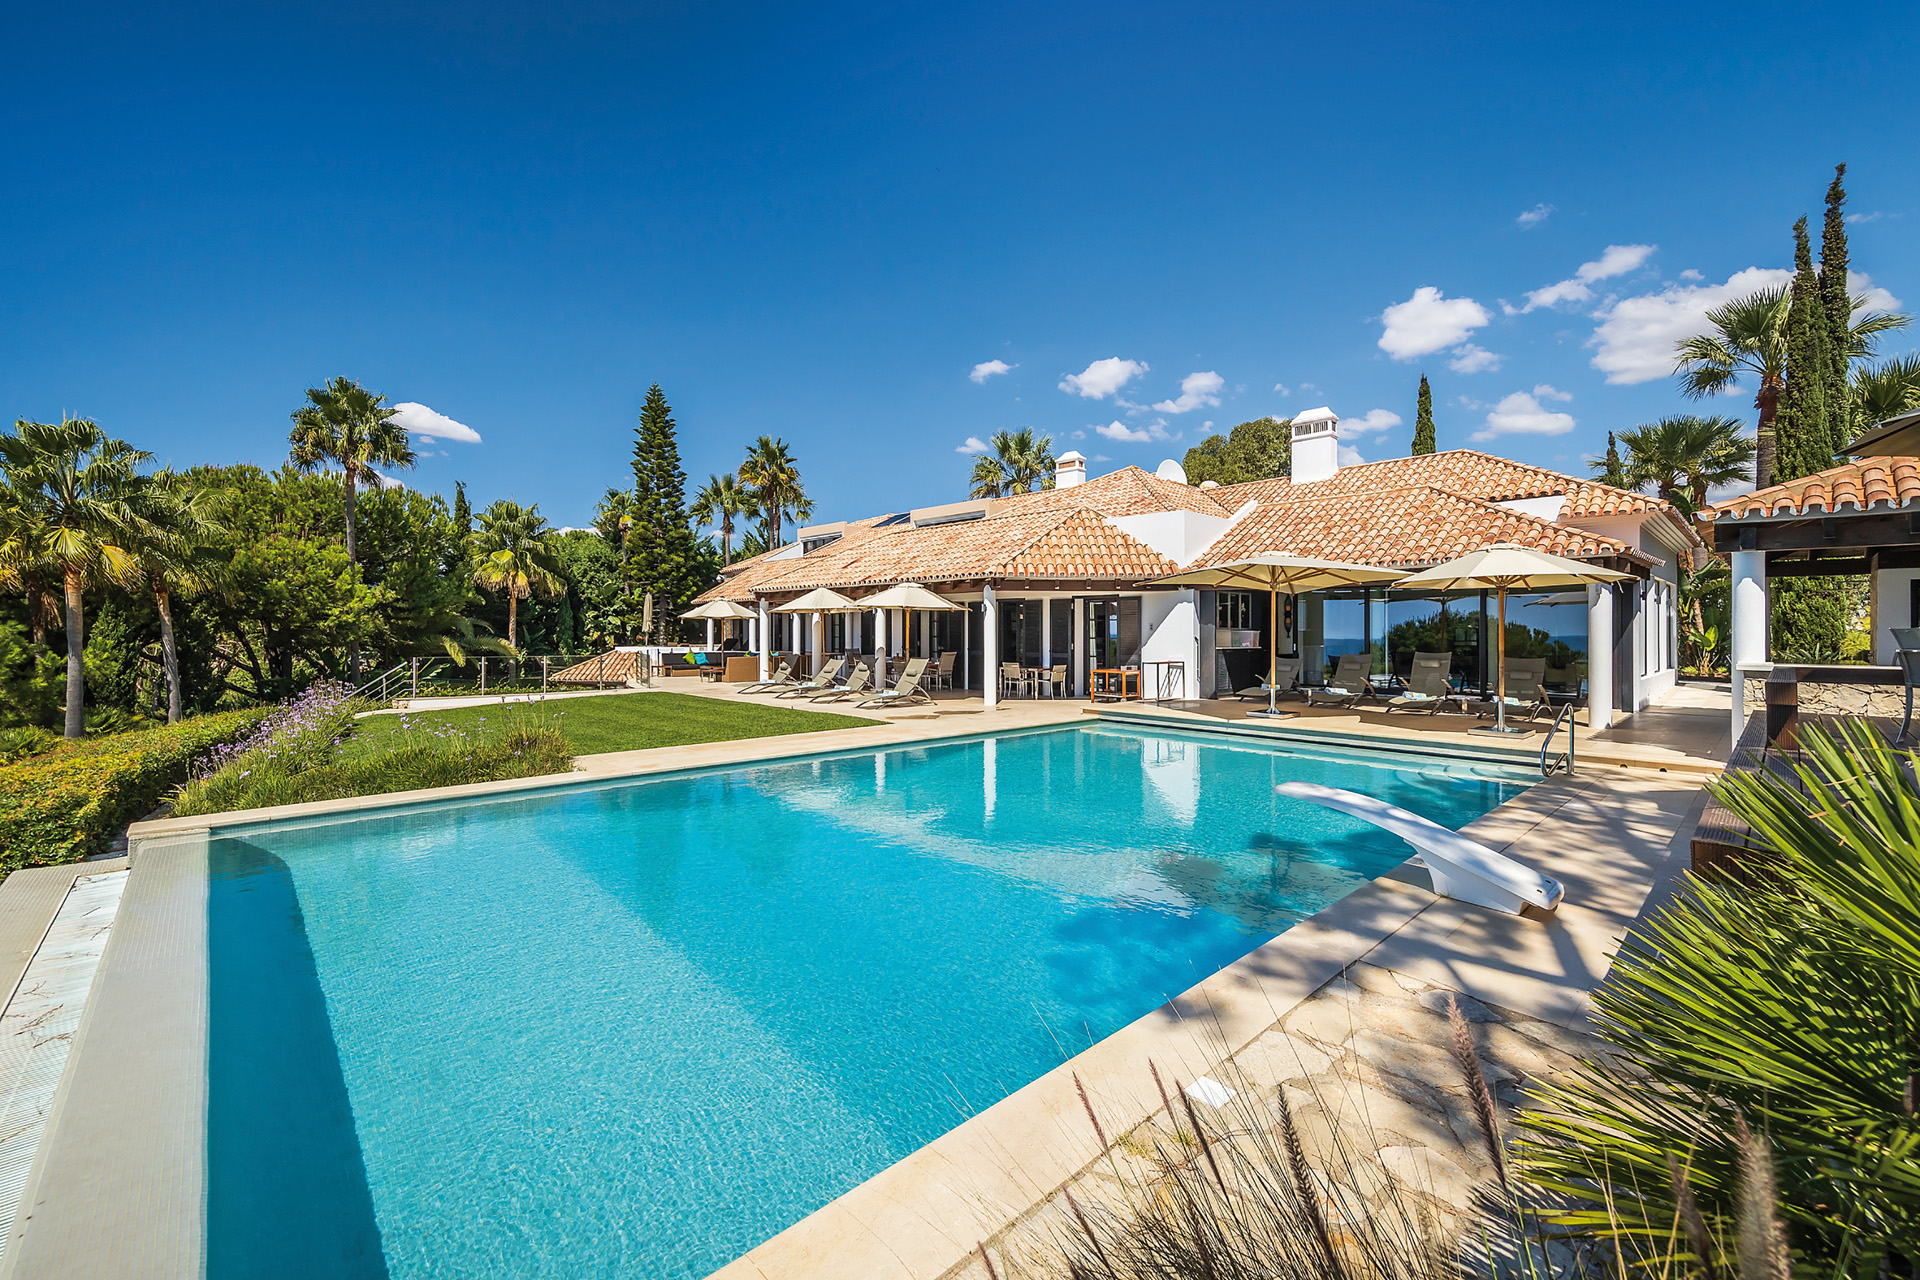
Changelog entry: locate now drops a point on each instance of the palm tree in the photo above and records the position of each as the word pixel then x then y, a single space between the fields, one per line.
pixel 718 502
pixel 1017 464
pixel 769 472
pixel 75 503
pixel 1885 391
pixel 1682 457
pixel 613 518
pixel 1749 337
pixel 346 424
pixel 182 556
pixel 513 554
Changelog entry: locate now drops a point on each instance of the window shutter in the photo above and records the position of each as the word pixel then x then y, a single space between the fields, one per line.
pixel 1130 631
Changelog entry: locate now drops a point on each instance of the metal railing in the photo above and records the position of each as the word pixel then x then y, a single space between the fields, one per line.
pixel 478 674
pixel 385 686
pixel 1565 760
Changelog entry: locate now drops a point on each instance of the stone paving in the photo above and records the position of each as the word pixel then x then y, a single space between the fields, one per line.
pixel 1378 1099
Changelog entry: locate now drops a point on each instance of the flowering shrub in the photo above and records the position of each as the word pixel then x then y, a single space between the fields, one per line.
pixel 68 804
pixel 302 732
pixel 296 758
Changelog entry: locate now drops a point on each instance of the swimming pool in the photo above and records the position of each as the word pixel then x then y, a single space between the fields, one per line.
pixel 636 1029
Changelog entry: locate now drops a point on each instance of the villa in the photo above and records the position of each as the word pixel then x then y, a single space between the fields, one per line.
pixel 1066 575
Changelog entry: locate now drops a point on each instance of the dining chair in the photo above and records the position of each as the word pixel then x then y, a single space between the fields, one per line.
pixel 1013 679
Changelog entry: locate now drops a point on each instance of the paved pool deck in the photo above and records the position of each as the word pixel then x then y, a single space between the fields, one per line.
pixel 114 1188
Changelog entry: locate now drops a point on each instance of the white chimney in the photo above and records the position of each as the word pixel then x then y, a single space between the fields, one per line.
pixel 1069 469
pixel 1316 445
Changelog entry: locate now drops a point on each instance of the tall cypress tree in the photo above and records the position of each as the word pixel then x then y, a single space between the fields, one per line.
pixel 462 513
pixel 1615 474
pixel 1838 306
pixel 1803 436
pixel 662 556
pixel 1423 441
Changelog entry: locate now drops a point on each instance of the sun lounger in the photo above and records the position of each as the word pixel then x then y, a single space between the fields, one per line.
pixel 906 691
pixel 1286 675
pixel 1428 687
pixel 781 679
pixel 1349 684
pixel 1526 690
pixel 817 684
pixel 856 684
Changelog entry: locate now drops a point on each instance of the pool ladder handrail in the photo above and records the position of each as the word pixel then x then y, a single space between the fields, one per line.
pixel 1547 767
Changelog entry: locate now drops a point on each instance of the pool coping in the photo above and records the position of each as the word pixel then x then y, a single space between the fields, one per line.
pixel 120 1176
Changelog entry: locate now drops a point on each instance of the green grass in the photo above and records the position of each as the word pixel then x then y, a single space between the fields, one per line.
pixel 617 722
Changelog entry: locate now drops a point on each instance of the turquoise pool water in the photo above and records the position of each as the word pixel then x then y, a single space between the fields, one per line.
pixel 635 1030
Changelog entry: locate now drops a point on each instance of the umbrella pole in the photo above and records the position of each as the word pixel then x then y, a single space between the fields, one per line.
pixel 1273 648
pixel 1500 713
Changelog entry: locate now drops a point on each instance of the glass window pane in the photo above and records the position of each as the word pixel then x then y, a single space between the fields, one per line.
pixel 1551 625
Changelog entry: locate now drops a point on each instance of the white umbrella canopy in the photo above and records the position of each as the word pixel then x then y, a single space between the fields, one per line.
pixel 820 600
pixel 1503 567
pixel 1291 574
pixel 1274 573
pixel 719 611
pixel 907 595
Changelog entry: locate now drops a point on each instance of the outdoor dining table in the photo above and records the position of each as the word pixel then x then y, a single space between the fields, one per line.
pixel 1110 684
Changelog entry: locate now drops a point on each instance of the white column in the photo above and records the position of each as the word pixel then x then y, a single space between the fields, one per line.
pixel 990 646
pixel 762 630
pixel 1046 634
pixel 1749 626
pixel 879 648
pixel 1599 656
pixel 709 633
pixel 819 642
pixel 1081 686
pixel 966 648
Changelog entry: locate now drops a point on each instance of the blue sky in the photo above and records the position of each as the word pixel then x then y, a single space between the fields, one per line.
pixel 821 221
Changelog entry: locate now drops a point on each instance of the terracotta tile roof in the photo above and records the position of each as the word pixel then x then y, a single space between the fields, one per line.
pixel 611 667
pixel 1860 485
pixel 1129 491
pixel 1074 543
pixel 1418 525
pixel 1467 472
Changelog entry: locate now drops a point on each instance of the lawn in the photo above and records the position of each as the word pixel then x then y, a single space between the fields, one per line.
pixel 619 722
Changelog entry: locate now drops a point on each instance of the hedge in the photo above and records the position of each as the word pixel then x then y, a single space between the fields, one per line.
pixel 69 803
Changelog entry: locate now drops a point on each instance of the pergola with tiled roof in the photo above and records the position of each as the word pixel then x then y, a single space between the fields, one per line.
pixel 1860 517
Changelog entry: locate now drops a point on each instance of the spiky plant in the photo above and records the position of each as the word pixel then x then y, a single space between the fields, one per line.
pixel 1792 1005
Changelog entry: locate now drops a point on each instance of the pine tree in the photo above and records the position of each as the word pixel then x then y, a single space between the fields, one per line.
pixel 462 513
pixel 1838 306
pixel 1423 441
pixel 1614 473
pixel 1804 441
pixel 662 560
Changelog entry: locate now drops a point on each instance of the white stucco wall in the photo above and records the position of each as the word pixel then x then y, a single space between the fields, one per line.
pixel 1170 632
pixel 1180 536
pixel 1895 595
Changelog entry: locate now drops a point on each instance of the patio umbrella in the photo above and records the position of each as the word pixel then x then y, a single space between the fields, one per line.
pixel 719 611
pixel 820 600
pixel 1274 573
pixel 1502 567
pixel 905 595
pixel 646 615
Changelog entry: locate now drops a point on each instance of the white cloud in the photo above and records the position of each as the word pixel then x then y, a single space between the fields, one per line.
pixel 1350 456
pixel 418 420
pixel 1120 431
pixel 1522 414
pixel 1282 388
pixel 1376 420
pixel 1875 216
pixel 987 368
pixel 1636 336
pixel 1428 321
pixel 1103 377
pixel 1534 217
pixel 1691 274
pixel 974 446
pixel 1547 391
pixel 384 481
pixel 1878 299
pixel 1472 359
pixel 1616 260
pixel 1196 389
